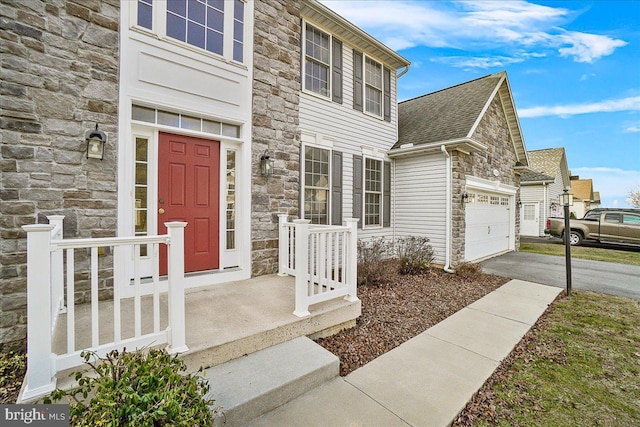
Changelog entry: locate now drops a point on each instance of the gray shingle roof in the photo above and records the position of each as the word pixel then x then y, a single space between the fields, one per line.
pixel 535 177
pixel 446 114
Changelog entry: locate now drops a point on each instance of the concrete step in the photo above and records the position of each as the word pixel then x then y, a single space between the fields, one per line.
pixel 252 385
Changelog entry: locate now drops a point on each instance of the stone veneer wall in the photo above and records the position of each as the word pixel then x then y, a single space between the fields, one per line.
pixel 276 98
pixel 59 78
pixel 493 131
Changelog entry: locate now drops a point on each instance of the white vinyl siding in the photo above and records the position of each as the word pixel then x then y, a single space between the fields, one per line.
pixel 535 193
pixel 420 199
pixel 349 130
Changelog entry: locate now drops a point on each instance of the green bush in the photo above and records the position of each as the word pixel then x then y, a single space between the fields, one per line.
pixel 371 254
pixel 12 369
pixel 415 254
pixel 141 389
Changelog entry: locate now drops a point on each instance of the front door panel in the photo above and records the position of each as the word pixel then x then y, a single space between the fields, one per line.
pixel 188 190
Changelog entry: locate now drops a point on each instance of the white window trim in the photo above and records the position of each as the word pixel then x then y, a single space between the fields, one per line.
pixel 364 193
pixel 304 179
pixel 159 30
pixel 304 61
pixel 364 87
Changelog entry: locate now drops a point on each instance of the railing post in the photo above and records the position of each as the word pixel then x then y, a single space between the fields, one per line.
pixel 175 261
pixel 57 269
pixel 352 260
pixel 283 243
pixel 302 267
pixel 39 379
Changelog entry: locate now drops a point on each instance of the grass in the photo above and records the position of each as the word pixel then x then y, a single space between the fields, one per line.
pixel 596 254
pixel 580 365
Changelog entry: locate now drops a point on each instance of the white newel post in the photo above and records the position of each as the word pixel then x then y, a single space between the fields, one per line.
pixel 352 259
pixel 175 260
pixel 57 269
pixel 283 243
pixel 40 378
pixel 302 266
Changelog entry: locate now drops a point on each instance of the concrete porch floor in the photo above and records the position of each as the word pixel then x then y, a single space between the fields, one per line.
pixel 224 321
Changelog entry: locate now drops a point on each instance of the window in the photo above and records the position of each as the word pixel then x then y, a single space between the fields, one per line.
pixel 141 190
pixel 183 121
pixel 613 218
pixel 231 199
pixel 372 192
pixel 316 185
pixel 317 61
pixel 373 86
pixel 529 213
pixel 630 219
pixel 592 216
pixel 199 23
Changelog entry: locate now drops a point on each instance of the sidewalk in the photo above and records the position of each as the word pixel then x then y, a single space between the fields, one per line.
pixel 429 379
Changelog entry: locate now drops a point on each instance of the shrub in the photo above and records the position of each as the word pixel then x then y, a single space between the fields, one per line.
pixel 415 254
pixel 371 268
pixel 469 270
pixel 12 369
pixel 141 389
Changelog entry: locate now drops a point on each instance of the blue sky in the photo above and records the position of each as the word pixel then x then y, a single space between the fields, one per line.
pixel 574 69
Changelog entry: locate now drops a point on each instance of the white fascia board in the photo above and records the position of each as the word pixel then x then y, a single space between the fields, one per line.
pixel 467 144
pixel 488 185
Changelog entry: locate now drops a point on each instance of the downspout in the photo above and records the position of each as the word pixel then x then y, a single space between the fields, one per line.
pixel 545 187
pixel 447 240
pixel 403 72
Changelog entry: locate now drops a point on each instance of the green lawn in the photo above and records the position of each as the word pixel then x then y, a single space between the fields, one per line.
pixel 596 254
pixel 579 366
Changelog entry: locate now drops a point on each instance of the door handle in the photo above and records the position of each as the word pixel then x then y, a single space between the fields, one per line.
pixel 160 211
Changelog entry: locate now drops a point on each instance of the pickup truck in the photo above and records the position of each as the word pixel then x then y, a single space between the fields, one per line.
pixel 620 226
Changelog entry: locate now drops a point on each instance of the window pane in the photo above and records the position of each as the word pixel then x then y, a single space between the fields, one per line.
pixel 316 184
pixel 168 119
pixel 373 192
pixel 179 7
pixel 238 10
pixel 238 51
pixel 141 173
pixel 192 123
pixel 196 11
pixel 145 13
pixel 141 150
pixel 143 114
pixel 195 35
pixel 211 127
pixel 214 42
pixel 215 19
pixel 231 130
pixel 317 64
pixel 231 199
pixel 176 27
pixel 631 219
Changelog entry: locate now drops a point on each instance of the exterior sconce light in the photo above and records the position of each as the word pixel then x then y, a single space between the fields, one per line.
pixel 96 140
pixel 465 197
pixel 266 164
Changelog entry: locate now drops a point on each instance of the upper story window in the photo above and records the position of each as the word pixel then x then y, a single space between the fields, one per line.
pixel 373 86
pixel 322 68
pixel 199 23
pixel 317 61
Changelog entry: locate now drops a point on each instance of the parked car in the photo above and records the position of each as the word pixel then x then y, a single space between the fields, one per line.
pixel 606 225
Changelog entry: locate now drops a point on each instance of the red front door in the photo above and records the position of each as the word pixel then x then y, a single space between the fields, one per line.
pixel 189 190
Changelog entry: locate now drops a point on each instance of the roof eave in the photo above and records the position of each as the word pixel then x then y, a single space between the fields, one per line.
pixel 465 144
pixel 326 17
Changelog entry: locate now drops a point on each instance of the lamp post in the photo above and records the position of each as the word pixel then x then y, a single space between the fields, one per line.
pixel 567 200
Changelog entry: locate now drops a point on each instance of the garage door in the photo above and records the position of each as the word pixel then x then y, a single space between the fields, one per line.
pixel 487 225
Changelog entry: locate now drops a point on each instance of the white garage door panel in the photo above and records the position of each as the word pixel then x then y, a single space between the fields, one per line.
pixel 487 229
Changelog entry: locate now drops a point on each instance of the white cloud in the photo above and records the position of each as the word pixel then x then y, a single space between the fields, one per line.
pixel 624 104
pixel 510 26
pixel 477 62
pixel 633 128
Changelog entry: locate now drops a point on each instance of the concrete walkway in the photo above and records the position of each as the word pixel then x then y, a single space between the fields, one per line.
pixel 429 379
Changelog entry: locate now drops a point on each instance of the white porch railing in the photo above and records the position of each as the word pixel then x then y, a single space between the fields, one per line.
pixel 323 259
pixel 46 250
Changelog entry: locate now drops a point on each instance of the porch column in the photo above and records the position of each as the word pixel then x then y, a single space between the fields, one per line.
pixel 40 378
pixel 352 260
pixel 175 275
pixel 302 267
pixel 283 244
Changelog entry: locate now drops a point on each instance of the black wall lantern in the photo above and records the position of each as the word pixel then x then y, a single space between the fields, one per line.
pixel 96 140
pixel 266 164
pixel 465 197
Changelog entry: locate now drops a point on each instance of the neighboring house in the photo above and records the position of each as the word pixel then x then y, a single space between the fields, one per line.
pixel 596 200
pixel 583 196
pixel 540 190
pixel 458 159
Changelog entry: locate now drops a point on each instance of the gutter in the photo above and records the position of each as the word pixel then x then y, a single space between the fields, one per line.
pixel 403 72
pixel 466 144
pixel 447 244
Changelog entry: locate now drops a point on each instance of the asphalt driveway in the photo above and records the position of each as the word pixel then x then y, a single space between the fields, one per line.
pixel 606 277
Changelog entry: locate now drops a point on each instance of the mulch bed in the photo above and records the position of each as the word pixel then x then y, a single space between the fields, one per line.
pixel 395 312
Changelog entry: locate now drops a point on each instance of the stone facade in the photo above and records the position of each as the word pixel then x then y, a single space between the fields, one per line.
pixel 493 131
pixel 276 98
pixel 59 78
